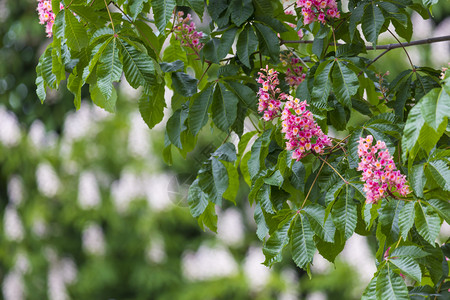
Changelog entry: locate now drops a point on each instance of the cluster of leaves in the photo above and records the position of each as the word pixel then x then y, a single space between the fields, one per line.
pixel 313 204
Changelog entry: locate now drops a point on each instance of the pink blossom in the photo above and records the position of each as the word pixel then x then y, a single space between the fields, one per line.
pixel 318 10
pixel 186 31
pixel 46 15
pixel 380 174
pixel 269 94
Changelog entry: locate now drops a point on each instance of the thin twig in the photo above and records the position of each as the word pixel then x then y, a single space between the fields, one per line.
pixel 109 13
pixel 401 45
pixel 383 47
pixel 257 129
pixel 207 68
pixel 343 179
pixel 374 60
pixel 312 185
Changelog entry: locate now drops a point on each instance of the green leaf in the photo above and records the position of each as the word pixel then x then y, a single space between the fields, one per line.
pixel 427 223
pixel 276 179
pixel 298 174
pixel 322 84
pixel 245 94
pixel 345 83
pixel 269 43
pixel 371 290
pixel 417 179
pixel 135 7
pixel 108 104
pixel 344 212
pixel 226 41
pixel 224 107
pixel 233 182
pixel 263 6
pixel 241 10
pixel 390 285
pixel 302 243
pixel 372 21
pixel 408 266
pixel 226 152
pixel 247 43
pixel 276 242
pixel 184 84
pixel 75 33
pixel 109 68
pixel 152 106
pixel 330 251
pixel 174 66
pixel 198 112
pixel 197 199
pixel 220 176
pixel 263 198
pixel 316 216
pixel 406 219
pixel 412 128
pixel 435 107
pixel 441 207
pixel 163 10
pixel 258 153
pixel 175 125
pixel 440 172
pixel 261 227
pixel 389 219
pixel 138 67
pixel 370 213
pixel 356 18
pixel 208 218
pixel 408 251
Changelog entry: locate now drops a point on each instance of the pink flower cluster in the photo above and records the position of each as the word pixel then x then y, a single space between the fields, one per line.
pixel 294 72
pixel 269 94
pixel 379 171
pixel 299 32
pixel 301 130
pixel 313 10
pixel 185 29
pixel 46 15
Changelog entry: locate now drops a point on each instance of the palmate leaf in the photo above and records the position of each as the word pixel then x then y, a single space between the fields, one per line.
pixel 245 94
pixel 411 131
pixel 441 207
pixel 302 243
pixel 440 172
pixel 135 7
pixel 75 33
pixel 208 218
pixel 390 285
pixel 316 216
pixel 175 125
pixel 389 219
pixel 417 179
pixel 224 107
pixel 268 41
pixel 198 112
pixel 408 266
pixel 277 241
pixel 163 10
pixel 372 21
pixel 226 41
pixel 345 83
pixel 109 68
pixel 258 153
pixel 435 107
pixel 370 293
pixel 184 84
pixel 220 176
pixel 233 182
pixel 322 84
pixel 406 219
pixel 427 223
pixel 344 212
pixel 197 199
pixel 138 67
pixel 241 10
pixel 108 104
pixel 246 44
pixel 261 227
pixel 408 251
pixel 152 106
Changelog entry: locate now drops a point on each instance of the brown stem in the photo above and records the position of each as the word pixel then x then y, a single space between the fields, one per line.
pixel 384 47
pixel 374 60
pixel 401 45
pixel 312 185
pixel 109 13
pixel 206 70
pixel 343 179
